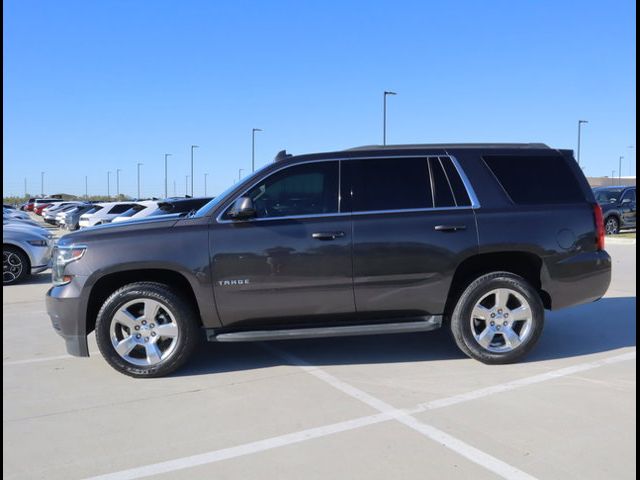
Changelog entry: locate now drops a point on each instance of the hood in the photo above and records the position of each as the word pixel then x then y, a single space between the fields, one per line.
pixel 26 229
pixel 109 229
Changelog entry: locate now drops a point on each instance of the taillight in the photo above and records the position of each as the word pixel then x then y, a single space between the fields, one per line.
pixel 599 219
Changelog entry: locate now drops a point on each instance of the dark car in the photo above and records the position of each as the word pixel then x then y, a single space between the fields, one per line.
pixel 618 207
pixel 478 238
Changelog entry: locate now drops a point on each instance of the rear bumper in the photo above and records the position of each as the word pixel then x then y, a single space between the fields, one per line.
pixel 68 319
pixel 578 279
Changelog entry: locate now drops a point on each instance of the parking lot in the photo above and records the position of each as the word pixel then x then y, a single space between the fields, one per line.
pixel 397 406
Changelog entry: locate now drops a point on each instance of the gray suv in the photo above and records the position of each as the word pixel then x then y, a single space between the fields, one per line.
pixel 481 239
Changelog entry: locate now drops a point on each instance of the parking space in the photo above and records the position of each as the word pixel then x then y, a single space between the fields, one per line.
pixel 398 406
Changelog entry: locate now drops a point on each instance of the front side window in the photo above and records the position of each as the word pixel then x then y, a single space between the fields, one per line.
pixel 307 189
pixel 630 195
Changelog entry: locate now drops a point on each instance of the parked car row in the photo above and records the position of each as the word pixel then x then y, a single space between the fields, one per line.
pixel 72 215
pixel 26 247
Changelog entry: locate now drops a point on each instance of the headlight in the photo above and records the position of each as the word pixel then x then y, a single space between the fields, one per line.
pixel 63 256
pixel 38 243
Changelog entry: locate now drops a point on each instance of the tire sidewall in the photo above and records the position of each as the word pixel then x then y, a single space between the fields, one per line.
pixel 181 311
pixel 461 318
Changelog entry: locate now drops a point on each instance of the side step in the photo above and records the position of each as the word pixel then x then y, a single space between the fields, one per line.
pixel 432 322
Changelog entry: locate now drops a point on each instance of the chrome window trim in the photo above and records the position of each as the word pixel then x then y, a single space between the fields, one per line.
pixel 475 204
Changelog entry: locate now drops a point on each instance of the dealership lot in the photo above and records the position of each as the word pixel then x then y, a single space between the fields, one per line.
pixel 399 406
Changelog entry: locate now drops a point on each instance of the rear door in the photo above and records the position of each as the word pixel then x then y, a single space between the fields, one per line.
pixel 413 223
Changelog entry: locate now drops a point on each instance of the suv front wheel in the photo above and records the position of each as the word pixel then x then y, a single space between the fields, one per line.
pixel 145 329
pixel 498 318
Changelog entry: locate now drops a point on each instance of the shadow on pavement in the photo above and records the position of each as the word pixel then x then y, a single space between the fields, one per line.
pixel 606 325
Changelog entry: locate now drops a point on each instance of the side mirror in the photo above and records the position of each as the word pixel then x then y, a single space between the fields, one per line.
pixel 242 209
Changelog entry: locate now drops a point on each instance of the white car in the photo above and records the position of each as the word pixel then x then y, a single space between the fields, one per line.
pixel 138 211
pixel 103 213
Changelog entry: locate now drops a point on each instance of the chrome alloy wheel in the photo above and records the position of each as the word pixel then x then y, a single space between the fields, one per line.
pixel 144 332
pixel 11 267
pixel 501 320
pixel 611 227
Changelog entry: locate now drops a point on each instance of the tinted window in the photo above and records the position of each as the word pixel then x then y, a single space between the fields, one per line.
pixel 120 208
pixel 94 209
pixel 630 194
pixel 389 184
pixel 133 210
pixel 442 193
pixel 309 189
pixel 459 190
pixel 539 180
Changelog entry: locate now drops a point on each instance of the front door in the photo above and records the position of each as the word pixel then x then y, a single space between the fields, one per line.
pixel 291 264
pixel 628 208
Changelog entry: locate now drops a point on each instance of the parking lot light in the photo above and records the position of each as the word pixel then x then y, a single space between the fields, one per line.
pixel 139 179
pixel 580 123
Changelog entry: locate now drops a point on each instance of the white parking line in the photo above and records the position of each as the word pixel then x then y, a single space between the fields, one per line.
pixel 471 453
pixel 318 432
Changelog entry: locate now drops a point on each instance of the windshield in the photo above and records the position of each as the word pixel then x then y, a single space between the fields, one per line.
pixel 608 196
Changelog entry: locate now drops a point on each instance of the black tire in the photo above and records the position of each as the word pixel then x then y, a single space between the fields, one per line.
pixel 460 324
pixel 612 225
pixel 16 255
pixel 185 316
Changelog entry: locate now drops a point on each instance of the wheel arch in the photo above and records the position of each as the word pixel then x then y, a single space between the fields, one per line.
pixel 525 264
pixel 109 283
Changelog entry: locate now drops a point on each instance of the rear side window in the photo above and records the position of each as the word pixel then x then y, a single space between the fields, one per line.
pixel 389 184
pixel 536 180
pixel 120 208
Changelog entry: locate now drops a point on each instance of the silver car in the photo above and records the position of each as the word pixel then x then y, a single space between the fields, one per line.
pixel 25 250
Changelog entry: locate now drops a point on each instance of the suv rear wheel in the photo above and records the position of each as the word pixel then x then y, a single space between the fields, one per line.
pixel 498 318
pixel 145 329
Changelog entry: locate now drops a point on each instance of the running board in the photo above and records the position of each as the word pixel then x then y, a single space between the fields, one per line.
pixel 432 322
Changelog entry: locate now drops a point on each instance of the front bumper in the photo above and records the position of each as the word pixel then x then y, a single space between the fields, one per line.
pixel 67 311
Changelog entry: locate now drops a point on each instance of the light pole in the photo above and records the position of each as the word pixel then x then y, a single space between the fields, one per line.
pixel 25 187
pixel 620 170
pixel 42 184
pixel 108 184
pixel 86 189
pixel 139 179
pixel 118 170
pixel 580 122
pixel 205 184
pixel 166 155
pixel 192 147
pixel 253 148
pixel 240 170
pixel 384 116
pixel 186 185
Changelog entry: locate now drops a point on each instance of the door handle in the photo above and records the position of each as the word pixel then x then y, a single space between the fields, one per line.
pixel 327 235
pixel 449 228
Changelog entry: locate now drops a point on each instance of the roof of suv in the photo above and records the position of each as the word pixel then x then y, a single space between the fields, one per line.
pixel 386 149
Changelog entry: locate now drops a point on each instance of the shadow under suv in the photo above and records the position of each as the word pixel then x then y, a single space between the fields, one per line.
pixel 478 238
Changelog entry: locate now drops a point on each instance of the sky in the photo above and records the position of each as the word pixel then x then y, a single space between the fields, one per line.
pixel 94 86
